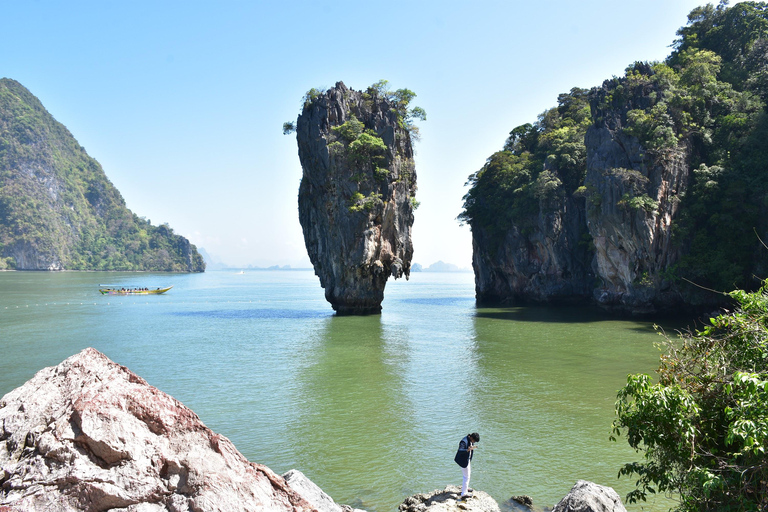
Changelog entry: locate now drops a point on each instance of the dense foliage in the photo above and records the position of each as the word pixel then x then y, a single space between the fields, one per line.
pixel 57 205
pixel 707 101
pixel 541 164
pixel 703 428
pixel 360 150
pixel 718 98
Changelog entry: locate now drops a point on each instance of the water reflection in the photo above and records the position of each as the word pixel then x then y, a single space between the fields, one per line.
pixel 353 418
pixel 547 383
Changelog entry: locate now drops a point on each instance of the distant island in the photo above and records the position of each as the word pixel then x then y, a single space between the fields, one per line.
pixel 439 266
pixel 58 209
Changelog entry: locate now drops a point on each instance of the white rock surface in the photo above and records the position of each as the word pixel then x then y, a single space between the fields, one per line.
pixel 90 435
pixel 447 500
pixel 313 493
pixel 587 496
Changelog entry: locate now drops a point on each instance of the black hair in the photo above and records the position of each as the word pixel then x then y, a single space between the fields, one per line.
pixel 474 436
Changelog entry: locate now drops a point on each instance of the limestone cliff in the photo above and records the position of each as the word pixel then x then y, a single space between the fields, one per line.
pixel 642 195
pixel 58 209
pixel 633 195
pixel 542 259
pixel 356 194
pixel 609 240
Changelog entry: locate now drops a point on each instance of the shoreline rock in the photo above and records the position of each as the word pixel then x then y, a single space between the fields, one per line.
pixel 584 496
pixel 89 434
pixel 447 500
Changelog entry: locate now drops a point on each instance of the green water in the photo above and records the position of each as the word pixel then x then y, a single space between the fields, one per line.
pixel 370 408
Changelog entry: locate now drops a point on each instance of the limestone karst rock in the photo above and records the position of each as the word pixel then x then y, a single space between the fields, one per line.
pixel 633 246
pixel 356 195
pixel 91 435
pixel 607 241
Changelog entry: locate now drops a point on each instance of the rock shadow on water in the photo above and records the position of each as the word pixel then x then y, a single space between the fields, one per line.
pixel 256 314
pixel 438 301
pixel 545 314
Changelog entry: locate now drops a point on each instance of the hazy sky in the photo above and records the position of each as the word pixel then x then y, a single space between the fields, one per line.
pixel 182 102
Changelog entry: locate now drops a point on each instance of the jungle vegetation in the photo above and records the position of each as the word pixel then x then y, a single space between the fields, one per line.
pixel 56 202
pixel 703 428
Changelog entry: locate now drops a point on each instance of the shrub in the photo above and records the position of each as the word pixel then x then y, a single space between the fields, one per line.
pixel 703 428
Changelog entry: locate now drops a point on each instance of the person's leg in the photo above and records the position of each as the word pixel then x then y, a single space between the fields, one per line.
pixel 465 473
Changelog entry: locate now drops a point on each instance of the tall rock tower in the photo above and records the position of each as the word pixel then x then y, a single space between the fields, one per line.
pixel 356 197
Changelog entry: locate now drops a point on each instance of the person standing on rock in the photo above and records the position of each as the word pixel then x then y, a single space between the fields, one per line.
pixel 464 459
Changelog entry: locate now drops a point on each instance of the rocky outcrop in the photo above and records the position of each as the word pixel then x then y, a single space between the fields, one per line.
pixel 590 497
pixel 90 435
pixel 608 241
pixel 356 195
pixel 314 494
pixel 447 500
pixel 542 259
pixel 584 496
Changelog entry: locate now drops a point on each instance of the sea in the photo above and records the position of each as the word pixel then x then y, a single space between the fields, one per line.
pixel 370 408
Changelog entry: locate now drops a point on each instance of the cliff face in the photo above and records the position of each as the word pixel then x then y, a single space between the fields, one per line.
pixel 609 240
pixel 661 174
pixel 542 259
pixel 355 197
pixel 633 196
pixel 58 210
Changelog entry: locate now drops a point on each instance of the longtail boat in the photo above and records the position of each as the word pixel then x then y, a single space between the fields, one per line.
pixel 133 291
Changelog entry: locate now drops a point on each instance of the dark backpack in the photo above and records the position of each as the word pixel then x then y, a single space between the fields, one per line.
pixel 463 457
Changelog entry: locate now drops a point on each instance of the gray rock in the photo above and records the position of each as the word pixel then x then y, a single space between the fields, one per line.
pixel 89 434
pixel 314 495
pixel 447 500
pixel 633 246
pixel 587 496
pixel 356 214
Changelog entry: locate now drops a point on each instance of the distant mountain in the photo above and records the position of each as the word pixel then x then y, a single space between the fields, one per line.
pixel 441 266
pixel 59 211
pixel 212 262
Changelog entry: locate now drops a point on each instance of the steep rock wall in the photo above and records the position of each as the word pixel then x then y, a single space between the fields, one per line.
pixel 633 196
pixel 58 209
pixel 609 241
pixel 355 204
pixel 541 259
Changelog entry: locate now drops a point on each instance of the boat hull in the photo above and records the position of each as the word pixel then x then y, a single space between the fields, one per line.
pixel 113 291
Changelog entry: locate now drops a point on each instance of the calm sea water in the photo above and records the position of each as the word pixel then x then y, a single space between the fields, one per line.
pixel 370 408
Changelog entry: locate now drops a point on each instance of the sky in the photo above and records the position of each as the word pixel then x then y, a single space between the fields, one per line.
pixel 182 102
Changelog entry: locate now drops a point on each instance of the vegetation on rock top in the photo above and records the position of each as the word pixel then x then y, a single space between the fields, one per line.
pixel 706 101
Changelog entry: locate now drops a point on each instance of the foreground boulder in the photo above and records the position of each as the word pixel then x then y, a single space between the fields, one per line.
pixel 447 500
pixel 356 196
pixel 590 497
pixel 90 435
